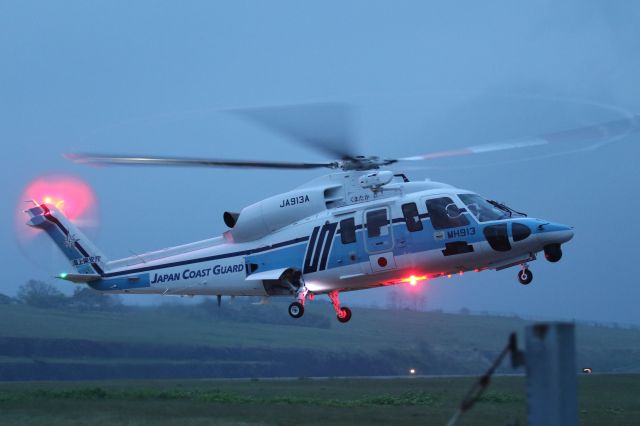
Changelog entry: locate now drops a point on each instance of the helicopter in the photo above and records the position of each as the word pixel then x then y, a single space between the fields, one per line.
pixel 361 226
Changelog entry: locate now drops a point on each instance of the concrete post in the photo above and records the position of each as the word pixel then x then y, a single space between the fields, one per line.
pixel 551 374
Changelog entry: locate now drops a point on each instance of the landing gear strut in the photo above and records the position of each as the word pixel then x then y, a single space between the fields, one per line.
pixel 296 309
pixel 343 314
pixel 525 276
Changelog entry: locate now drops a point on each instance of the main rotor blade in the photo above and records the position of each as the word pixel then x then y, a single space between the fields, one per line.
pixel 597 135
pixel 106 159
pixel 326 127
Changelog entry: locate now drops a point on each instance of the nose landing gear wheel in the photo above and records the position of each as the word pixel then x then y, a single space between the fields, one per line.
pixel 525 276
pixel 345 315
pixel 296 310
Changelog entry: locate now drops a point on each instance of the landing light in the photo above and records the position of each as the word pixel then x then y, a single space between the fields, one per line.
pixel 63 275
pixel 412 371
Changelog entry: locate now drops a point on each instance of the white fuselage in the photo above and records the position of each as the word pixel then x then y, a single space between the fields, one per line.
pixel 373 239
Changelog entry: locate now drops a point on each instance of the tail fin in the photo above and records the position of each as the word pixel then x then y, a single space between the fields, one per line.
pixel 83 255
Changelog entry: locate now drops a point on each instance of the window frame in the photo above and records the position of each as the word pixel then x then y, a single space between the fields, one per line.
pixel 457 222
pixel 479 215
pixel 412 218
pixel 351 227
pixel 379 227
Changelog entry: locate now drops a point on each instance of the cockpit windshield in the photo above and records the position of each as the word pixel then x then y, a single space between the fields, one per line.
pixel 487 210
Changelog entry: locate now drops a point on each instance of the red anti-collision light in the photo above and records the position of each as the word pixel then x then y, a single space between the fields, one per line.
pixel 414 280
pixel 70 194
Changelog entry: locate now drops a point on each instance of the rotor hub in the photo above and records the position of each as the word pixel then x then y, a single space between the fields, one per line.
pixel 361 162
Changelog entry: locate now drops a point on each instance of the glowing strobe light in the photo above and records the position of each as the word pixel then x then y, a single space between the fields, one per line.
pixel 71 195
pixel 412 371
pixel 413 280
pixel 59 203
pixel 68 193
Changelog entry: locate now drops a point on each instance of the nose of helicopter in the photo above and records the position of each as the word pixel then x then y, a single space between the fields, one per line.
pixel 555 233
pixel 565 234
pixel 551 236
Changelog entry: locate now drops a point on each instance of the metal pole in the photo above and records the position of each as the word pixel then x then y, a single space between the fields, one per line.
pixel 551 374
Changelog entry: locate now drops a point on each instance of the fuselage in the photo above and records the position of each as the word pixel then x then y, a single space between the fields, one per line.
pixel 399 232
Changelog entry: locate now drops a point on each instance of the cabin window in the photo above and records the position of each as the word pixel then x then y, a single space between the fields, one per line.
pixel 412 217
pixel 520 231
pixel 348 231
pixel 497 237
pixel 483 210
pixel 445 214
pixel 377 223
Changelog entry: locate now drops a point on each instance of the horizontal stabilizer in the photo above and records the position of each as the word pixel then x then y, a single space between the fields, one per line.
pixel 79 278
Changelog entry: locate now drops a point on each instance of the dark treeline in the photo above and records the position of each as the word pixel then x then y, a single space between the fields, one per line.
pixel 46 296
pixel 43 295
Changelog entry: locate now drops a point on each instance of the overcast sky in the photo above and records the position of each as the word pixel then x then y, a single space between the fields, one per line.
pixel 155 77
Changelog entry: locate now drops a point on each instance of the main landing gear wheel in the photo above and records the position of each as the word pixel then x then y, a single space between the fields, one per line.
pixel 525 276
pixel 345 315
pixel 296 309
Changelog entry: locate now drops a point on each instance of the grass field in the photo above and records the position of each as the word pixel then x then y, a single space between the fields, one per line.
pixel 257 341
pixel 603 399
pixel 243 340
pixel 270 326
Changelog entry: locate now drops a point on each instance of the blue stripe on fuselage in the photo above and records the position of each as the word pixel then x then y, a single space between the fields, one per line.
pixel 206 259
